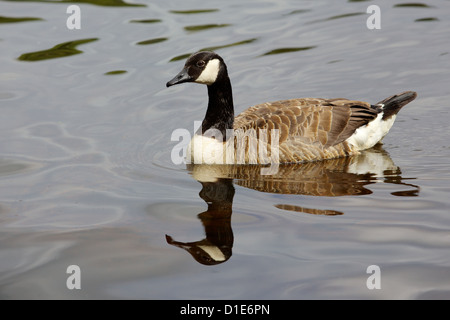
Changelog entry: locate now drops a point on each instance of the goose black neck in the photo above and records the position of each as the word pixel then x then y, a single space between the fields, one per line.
pixel 220 112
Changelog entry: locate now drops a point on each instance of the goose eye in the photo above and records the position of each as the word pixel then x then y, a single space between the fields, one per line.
pixel 201 63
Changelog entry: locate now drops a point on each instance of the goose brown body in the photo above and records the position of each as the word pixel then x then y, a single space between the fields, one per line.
pixel 309 128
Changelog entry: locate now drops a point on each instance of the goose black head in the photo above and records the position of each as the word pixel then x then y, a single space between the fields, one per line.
pixel 203 67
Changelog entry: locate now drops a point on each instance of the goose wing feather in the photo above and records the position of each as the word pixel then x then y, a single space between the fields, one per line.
pixel 326 122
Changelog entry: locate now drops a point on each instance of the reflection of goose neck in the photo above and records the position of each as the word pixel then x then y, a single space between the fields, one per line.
pixel 219 197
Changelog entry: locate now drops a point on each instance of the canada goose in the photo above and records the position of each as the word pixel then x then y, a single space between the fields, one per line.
pixel 308 129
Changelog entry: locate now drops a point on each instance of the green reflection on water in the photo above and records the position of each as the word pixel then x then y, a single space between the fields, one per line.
pixel 285 50
pixel 412 5
pixel 146 21
pixel 114 72
pixel 345 15
pixel 184 56
pixel 426 19
pixel 59 51
pixel 18 19
pixel 152 41
pixel 230 45
pixel 110 3
pixel 205 27
pixel 193 11
pixel 181 57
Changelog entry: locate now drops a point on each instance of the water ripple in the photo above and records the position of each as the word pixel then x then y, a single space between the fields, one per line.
pixel 203 27
pixel 4 19
pixel 214 48
pixel 194 11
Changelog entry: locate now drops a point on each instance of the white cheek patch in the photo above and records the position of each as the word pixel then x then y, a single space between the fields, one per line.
pixel 209 74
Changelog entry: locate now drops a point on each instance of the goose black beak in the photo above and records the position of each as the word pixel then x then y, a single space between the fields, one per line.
pixel 183 76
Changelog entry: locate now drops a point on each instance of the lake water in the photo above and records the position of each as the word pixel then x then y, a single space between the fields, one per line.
pixel 86 176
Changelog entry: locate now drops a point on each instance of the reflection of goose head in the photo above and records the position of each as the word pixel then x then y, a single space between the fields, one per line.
pixel 217 246
pixel 203 251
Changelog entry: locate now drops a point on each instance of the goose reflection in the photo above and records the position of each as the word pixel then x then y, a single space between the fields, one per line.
pixel 330 178
pixel 216 247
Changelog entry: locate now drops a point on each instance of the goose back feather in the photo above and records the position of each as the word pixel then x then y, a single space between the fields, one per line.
pixel 309 128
